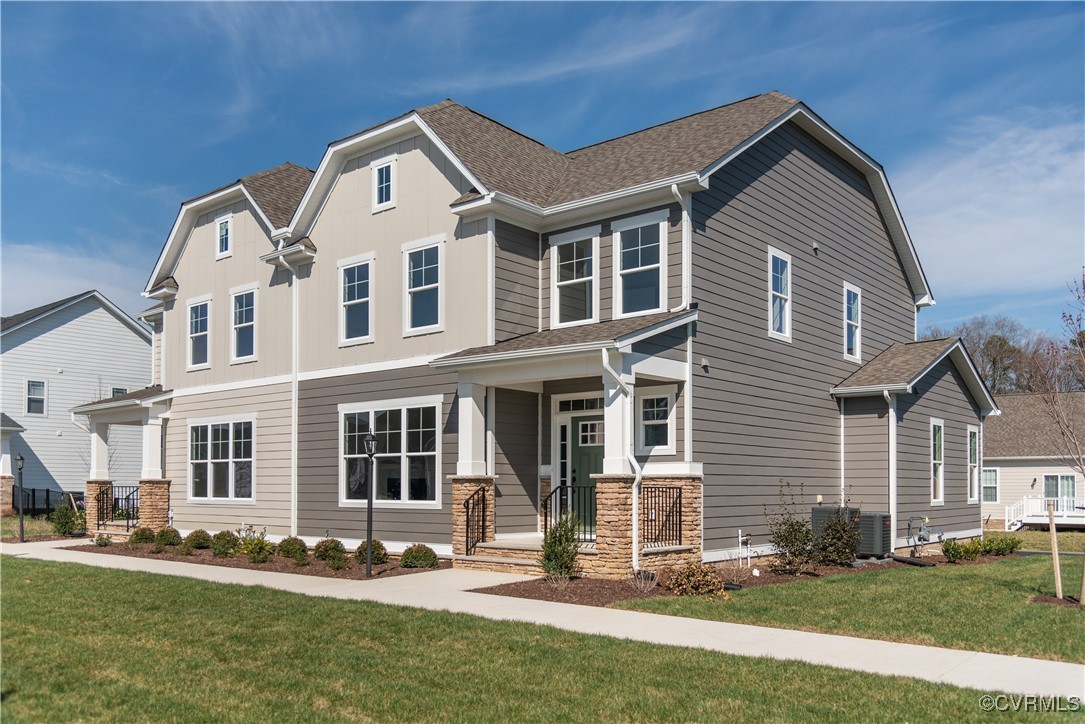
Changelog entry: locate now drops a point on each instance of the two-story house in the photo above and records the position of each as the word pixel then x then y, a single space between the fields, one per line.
pixel 653 331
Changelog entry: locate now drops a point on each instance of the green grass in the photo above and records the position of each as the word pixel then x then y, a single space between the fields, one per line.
pixel 980 608
pixel 82 643
pixel 1040 540
pixel 9 526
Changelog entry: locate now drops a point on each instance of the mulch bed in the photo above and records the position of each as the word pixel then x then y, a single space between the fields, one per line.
pixel 38 538
pixel 276 564
pixel 1068 602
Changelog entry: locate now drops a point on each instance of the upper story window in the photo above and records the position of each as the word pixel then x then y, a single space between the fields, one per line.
pixel 355 302
pixel 574 274
pixel 220 460
pixel 243 325
pixel 35 397
pixel 655 420
pixel 938 467
pixel 199 334
pixel 990 485
pixel 779 295
pixel 223 236
pixel 422 306
pixel 118 391
pixel 973 464
pixel 641 268
pixel 384 183
pixel 853 329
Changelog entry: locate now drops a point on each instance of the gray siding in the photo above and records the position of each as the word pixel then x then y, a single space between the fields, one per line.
pixel 516 461
pixel 940 394
pixel 669 345
pixel 318 456
pixel 762 410
pixel 866 453
pixel 516 284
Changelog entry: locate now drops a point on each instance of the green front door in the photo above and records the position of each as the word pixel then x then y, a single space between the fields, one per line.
pixel 586 459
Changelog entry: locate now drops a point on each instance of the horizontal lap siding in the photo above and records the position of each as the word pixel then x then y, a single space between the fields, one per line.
pixel 516 285
pixel 940 394
pixel 516 461
pixel 1020 478
pixel 762 408
pixel 866 453
pixel 668 345
pixel 318 455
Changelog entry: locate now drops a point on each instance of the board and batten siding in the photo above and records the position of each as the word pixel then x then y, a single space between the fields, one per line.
pixel 81 352
pixel 866 453
pixel 762 409
pixel 318 456
pixel 516 282
pixel 940 394
pixel 516 461
pixel 268 406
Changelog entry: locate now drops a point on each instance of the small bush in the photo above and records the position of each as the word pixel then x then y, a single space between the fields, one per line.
pixel 1001 545
pixel 255 546
pixel 158 548
pixel 955 551
pixel 972 550
pixel 198 539
pixel 141 536
pixel 67 521
pixel 329 548
pixel 643 581
pixel 184 549
pixel 380 554
pixel 337 563
pixel 694 579
pixel 838 542
pixel 168 537
pixel 560 548
pixel 951 549
pixel 295 549
pixel 102 540
pixel 224 544
pixel 790 533
pixel 418 556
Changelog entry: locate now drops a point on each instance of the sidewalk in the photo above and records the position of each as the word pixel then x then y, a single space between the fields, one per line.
pixel 447 590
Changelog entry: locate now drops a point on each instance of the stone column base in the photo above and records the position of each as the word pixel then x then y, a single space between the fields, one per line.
pixel 97 490
pixel 655 557
pixel 463 487
pixel 613 528
pixel 154 504
pixel 7 495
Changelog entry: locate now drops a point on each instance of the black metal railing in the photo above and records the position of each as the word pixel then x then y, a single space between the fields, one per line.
pixel 580 500
pixel 119 505
pixel 661 515
pixel 38 501
pixel 475 515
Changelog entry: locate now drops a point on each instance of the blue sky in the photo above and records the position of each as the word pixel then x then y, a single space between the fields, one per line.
pixel 112 114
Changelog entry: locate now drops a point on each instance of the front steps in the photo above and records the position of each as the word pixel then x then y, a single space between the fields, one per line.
pixel 509 556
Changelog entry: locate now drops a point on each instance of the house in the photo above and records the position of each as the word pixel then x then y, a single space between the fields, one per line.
pixel 652 331
pixel 55 357
pixel 1024 466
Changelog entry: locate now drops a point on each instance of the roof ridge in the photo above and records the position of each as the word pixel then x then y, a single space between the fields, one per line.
pixel 41 309
pixel 442 105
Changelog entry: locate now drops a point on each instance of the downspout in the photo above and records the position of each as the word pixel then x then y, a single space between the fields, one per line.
pixel 629 456
pixel 293 395
pixel 686 251
pixel 891 400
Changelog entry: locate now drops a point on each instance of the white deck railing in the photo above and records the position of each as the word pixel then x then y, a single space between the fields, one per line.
pixel 1033 509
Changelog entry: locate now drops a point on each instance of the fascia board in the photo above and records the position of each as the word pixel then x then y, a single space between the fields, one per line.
pixel 657 328
pixel 501 357
pixel 870 390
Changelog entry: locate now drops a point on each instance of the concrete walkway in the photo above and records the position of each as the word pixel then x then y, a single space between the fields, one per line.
pixel 447 590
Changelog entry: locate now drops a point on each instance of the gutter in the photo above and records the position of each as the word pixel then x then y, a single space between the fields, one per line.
pixel 638 472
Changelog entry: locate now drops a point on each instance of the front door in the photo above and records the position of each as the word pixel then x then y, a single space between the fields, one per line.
pixel 585 460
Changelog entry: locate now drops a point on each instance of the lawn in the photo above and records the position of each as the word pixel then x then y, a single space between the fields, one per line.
pixel 1040 540
pixel 9 526
pixel 978 607
pixel 83 643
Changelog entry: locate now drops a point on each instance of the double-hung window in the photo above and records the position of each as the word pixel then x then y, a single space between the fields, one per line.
pixel 355 300
pixel 574 276
pixel 404 469
pixel 220 460
pixel 641 268
pixel 779 295
pixel 1063 487
pixel 938 467
pixel 422 307
pixel 35 397
pixel 973 464
pixel 223 236
pixel 384 180
pixel 990 485
pixel 243 324
pixel 199 334
pixel 853 328
pixel 655 408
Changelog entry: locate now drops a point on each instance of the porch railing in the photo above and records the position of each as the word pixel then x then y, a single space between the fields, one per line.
pixel 580 500
pixel 1035 507
pixel 661 515
pixel 475 515
pixel 122 505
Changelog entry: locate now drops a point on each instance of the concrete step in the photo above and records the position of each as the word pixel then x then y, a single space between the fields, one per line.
pixel 498 564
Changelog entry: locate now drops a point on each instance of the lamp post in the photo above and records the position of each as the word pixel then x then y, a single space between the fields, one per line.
pixel 370 442
pixel 19 468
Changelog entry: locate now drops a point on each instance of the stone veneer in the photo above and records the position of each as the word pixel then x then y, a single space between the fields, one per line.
pixel 97 490
pixel 463 487
pixel 656 559
pixel 7 494
pixel 154 504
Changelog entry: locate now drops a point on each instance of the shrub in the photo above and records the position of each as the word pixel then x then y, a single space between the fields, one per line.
pixel 418 556
pixel 790 533
pixel 337 562
pixel 955 551
pixel 972 550
pixel 168 537
pixel 643 581
pixel 1001 545
pixel 295 549
pixel 66 521
pixel 158 548
pixel 141 536
pixel 255 546
pixel 951 549
pixel 694 579
pixel 184 549
pixel 102 540
pixel 838 542
pixel 329 548
pixel 380 554
pixel 560 548
pixel 224 544
pixel 198 539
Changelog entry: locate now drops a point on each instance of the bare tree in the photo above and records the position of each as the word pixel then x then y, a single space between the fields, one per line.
pixel 1001 347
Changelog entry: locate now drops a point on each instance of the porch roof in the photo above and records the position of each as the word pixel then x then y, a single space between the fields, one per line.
pixel 133 399
pixel 9 425
pixel 614 333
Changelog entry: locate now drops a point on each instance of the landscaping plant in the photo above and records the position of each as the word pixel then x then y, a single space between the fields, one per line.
pixel 224 544
pixel 380 553
pixel 694 579
pixel 790 533
pixel 255 546
pixel 102 540
pixel 67 521
pixel 332 552
pixel 838 543
pixel 168 537
pixel 198 539
pixel 418 556
pixel 560 549
pixel 295 549
pixel 141 536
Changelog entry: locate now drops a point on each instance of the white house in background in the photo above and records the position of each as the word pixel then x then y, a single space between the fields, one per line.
pixel 58 356
pixel 1023 468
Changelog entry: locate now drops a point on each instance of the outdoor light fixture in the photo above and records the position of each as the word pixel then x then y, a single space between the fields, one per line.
pixel 19 467
pixel 370 443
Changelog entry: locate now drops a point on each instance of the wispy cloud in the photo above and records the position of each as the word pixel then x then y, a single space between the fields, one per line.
pixel 84 176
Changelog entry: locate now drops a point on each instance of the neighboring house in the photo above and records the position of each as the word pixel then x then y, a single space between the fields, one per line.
pixel 58 356
pixel 657 329
pixel 1024 468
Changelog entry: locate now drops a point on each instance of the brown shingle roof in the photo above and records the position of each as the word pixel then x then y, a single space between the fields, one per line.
pixel 146 392
pixel 898 365
pixel 1024 429
pixel 278 191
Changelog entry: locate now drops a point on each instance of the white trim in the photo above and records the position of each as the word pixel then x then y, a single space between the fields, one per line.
pixel 254 289
pixel 858 356
pixel 123 316
pixel 687 402
pixel 584 232
pixel 230 420
pixel 406 249
pixel 230 386
pixel 491 280
pixel 189 304
pixel 672 468
pixel 730 554
pixel 789 298
pixel 568 237
pixel 44 397
pixel 843 435
pixel 392 163
pixel 968 464
pixel 998 485
pixel 670 392
pixel 941 500
pixel 968 533
pixel 228 219
pixel 660 218
pixel 892 415
pixel 342 265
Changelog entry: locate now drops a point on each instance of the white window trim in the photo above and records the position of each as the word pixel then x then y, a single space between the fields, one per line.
pixel 671 393
pixel 998 485
pixel 228 218
pixel 858 356
pixel 774 252
pixel 369 258
pixel 406 249
pixel 931 461
pixel 973 429
pixel 660 217
pixel 556 240
pixel 189 304
pixel 392 162
pixel 249 417
pixel 401 403
pixel 255 289
pixel 44 398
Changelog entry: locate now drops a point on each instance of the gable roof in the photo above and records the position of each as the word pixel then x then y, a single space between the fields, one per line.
pixel 17 321
pixel 9 425
pixel 1025 429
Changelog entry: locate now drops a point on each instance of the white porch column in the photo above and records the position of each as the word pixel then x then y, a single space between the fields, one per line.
pixel 5 454
pixel 615 441
pixel 99 451
pixel 152 449
pixel 472 432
